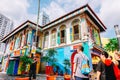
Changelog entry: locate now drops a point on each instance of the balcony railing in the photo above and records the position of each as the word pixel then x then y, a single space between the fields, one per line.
pixel 46 44
pixel 76 36
pixel 53 42
pixel 62 40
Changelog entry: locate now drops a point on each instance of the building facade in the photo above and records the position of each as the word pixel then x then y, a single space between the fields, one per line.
pixel 44 18
pixel 79 27
pixel 6 26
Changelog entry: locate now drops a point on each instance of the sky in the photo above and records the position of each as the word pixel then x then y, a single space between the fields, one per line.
pixel 21 10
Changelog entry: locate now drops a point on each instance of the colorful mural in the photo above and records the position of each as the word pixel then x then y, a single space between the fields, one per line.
pixel 67 51
pixel 65 40
pixel 16 46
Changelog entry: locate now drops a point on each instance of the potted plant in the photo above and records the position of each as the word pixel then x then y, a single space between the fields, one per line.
pixel 25 62
pixel 66 67
pixel 50 60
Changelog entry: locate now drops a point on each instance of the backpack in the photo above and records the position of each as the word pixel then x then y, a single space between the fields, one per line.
pixel 85 68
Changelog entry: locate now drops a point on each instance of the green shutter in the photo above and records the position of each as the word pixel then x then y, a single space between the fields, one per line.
pixel 58 37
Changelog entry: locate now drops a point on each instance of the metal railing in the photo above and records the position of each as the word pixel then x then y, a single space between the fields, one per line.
pixel 62 40
pixel 76 36
pixel 53 42
pixel 46 44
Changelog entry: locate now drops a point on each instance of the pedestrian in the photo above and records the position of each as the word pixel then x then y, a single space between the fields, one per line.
pixel 117 65
pixel 105 68
pixel 32 71
pixel 77 75
pixel 110 57
pixel 117 58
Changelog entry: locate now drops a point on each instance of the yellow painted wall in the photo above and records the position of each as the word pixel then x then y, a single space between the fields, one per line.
pixel 104 42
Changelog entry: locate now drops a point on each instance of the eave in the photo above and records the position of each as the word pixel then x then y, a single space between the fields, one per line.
pixel 80 10
pixel 22 26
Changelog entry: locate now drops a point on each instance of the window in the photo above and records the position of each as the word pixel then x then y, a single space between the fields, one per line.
pixel 96 37
pixel 76 29
pixel 46 39
pixel 53 37
pixel 26 36
pixel 23 39
pixel 20 43
pixel 62 34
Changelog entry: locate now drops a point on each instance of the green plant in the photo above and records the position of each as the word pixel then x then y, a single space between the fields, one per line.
pixel 67 65
pixel 49 58
pixel 112 45
pixel 25 61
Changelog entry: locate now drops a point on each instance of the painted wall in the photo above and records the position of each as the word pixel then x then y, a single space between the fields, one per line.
pixel 19 45
pixel 66 52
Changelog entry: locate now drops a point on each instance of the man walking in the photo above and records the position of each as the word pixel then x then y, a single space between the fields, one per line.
pixel 77 75
pixel 105 70
pixel 32 72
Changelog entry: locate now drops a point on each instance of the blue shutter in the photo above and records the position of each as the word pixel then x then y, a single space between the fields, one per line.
pixel 71 36
pixel 33 37
pixel 29 37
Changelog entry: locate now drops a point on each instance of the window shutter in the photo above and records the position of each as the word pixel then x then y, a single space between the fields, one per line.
pixel 29 37
pixel 65 36
pixel 58 37
pixel 71 35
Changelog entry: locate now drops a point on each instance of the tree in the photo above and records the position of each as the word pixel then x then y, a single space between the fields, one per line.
pixel 50 56
pixel 25 61
pixel 112 45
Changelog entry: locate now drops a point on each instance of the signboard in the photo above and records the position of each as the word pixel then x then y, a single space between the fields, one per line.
pixel 33 48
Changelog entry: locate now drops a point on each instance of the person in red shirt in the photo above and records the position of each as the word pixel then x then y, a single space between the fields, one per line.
pixel 105 68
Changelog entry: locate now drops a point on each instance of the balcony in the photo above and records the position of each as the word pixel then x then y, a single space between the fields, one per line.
pixel 53 42
pixel 46 44
pixel 62 40
pixel 76 36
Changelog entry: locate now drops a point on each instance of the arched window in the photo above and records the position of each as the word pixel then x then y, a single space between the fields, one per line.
pixel 46 39
pixel 62 34
pixel 96 37
pixel 26 36
pixel 53 37
pixel 76 29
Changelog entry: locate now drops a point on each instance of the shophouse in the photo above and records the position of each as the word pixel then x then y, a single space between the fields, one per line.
pixel 79 27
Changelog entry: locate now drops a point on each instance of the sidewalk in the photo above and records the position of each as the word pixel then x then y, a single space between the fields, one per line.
pixel 3 76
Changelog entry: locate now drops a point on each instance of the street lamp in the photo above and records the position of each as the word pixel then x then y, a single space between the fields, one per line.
pixel 37 25
pixel 37 20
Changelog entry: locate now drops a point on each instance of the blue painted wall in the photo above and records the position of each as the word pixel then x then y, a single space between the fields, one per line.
pixel 66 52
